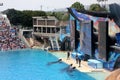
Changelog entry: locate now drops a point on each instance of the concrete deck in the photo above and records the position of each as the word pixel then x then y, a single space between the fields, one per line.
pixel 84 66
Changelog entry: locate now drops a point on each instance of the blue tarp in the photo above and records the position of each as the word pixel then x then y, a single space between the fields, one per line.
pixel 80 16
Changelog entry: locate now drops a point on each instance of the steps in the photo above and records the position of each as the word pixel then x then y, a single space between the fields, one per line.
pixel 54 43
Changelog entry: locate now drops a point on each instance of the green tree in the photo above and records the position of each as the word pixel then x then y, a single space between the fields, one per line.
pixel 96 7
pixel 62 16
pixel 27 17
pixel 58 15
pixel 49 13
pixel 26 20
pixel 14 16
pixel 78 6
pixel 65 17
pixel 39 13
pixel 23 18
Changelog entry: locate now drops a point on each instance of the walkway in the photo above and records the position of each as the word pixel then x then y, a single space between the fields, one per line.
pixel 84 66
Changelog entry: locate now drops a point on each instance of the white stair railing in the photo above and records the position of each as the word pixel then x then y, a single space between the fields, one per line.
pixel 58 47
pixel 54 43
pixel 51 42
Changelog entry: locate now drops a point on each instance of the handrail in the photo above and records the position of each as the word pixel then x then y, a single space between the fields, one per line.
pixel 54 43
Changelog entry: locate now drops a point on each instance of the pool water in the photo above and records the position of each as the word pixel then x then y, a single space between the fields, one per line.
pixel 32 65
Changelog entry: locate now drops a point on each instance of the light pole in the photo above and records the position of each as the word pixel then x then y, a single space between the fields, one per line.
pixel 41 7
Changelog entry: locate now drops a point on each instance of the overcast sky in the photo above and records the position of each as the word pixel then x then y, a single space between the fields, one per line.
pixel 46 4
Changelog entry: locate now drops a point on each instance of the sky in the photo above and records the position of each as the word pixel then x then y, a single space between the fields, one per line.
pixel 45 5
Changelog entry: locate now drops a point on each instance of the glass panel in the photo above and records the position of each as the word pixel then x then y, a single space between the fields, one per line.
pixel 48 29
pixel 44 29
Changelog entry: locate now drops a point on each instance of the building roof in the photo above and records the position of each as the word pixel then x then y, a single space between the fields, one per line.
pixel 45 17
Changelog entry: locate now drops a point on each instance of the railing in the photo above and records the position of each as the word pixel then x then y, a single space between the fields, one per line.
pixel 54 43
pixel 46 34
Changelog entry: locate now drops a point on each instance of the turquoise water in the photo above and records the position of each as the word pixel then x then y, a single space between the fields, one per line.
pixel 32 65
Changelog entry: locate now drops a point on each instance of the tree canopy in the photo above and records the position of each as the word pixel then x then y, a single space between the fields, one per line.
pixel 77 6
pixel 14 16
pixel 23 18
pixel 96 7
